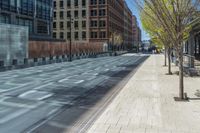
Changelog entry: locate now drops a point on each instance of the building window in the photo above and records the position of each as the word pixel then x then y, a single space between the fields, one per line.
pixel 102 2
pixel 76 35
pixel 61 15
pixel 84 35
pixel 93 34
pixel 61 4
pixel 76 3
pixel 83 24
pixel 68 3
pixel 102 23
pixel 102 34
pixel 83 3
pixel 12 3
pixel 76 24
pixel 102 12
pixel 93 13
pixel 61 35
pixel 54 25
pixel 54 4
pixel 25 22
pixel 68 35
pixel 68 24
pixel 54 15
pixel 54 35
pixel 42 27
pixel 93 2
pixel 68 14
pixel 93 23
pixel 61 25
pixel 83 13
pixel 76 14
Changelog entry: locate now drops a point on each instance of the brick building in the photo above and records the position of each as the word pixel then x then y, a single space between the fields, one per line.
pixel 78 12
pixel 128 30
pixel 92 20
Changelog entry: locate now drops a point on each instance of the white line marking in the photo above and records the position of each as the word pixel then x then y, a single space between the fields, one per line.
pixel 78 82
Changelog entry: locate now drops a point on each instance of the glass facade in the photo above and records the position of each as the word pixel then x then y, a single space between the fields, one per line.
pixel 14 43
pixel 35 14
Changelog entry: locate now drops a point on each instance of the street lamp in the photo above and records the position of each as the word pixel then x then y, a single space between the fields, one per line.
pixel 70 40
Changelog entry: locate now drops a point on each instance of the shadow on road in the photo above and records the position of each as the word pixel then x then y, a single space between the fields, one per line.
pixel 86 108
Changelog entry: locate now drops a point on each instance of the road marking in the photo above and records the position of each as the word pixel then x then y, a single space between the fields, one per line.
pixel 25 95
pixel 44 97
pixel 78 82
pixel 62 80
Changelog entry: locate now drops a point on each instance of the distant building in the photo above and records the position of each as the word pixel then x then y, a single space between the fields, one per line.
pixel 128 31
pixel 105 19
pixel 79 12
pixel 146 44
pixel 93 21
pixel 36 14
pixel 136 32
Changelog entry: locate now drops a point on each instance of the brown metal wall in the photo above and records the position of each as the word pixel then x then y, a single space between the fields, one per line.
pixel 38 49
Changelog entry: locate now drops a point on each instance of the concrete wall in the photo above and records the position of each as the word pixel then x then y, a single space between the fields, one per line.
pixel 13 44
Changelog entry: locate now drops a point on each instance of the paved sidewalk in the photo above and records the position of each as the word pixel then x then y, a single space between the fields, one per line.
pixel 146 104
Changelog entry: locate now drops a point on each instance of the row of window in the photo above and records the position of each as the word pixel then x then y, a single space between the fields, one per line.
pixel 77 3
pixel 27 7
pixel 42 27
pixel 94 2
pixel 93 35
pixel 93 23
pixel 76 14
pixel 102 12
pixel 19 21
pixel 76 24
pixel 76 35
pixel 69 3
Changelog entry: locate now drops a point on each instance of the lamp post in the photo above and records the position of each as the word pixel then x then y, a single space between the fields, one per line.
pixel 70 40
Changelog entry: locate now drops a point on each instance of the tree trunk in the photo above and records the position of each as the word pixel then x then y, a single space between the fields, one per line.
pixel 165 57
pixel 169 61
pixel 181 82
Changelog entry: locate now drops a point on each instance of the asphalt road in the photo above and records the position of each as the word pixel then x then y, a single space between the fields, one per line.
pixel 61 97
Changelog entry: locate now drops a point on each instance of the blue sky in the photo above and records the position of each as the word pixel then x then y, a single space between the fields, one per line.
pixel 131 4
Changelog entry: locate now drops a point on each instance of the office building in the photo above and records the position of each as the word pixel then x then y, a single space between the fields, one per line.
pixel 35 14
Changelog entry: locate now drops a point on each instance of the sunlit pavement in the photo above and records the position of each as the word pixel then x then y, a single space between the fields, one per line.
pixel 146 104
pixel 31 97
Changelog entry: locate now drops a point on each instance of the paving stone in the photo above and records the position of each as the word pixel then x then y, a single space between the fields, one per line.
pixel 146 105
